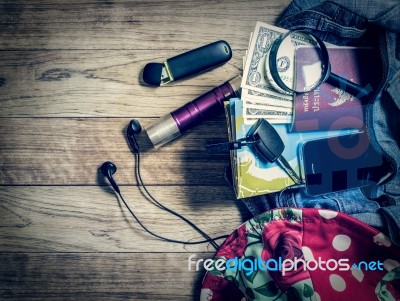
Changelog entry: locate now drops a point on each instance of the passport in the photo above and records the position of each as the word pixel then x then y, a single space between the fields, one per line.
pixel 331 108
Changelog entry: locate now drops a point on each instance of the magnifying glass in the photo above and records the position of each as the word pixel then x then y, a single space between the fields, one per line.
pixel 299 62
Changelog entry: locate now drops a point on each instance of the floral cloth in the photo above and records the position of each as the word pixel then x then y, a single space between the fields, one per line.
pixel 338 258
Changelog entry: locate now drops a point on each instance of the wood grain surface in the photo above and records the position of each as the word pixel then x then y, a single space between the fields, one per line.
pixel 70 81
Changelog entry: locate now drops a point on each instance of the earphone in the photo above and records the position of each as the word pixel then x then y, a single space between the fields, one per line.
pixel 108 169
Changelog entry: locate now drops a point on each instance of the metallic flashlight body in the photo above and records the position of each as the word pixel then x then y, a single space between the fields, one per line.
pixel 194 112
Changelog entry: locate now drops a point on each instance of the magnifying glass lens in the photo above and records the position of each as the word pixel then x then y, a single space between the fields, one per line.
pixel 301 64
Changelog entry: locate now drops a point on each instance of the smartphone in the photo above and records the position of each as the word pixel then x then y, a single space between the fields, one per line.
pixel 339 163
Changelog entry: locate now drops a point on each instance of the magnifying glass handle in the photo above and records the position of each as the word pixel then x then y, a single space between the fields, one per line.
pixel 348 86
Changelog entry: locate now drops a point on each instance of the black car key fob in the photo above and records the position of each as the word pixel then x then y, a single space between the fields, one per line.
pixel 266 141
pixel 270 146
pixel 188 63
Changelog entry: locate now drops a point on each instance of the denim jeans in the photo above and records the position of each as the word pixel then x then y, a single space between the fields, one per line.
pixel 356 22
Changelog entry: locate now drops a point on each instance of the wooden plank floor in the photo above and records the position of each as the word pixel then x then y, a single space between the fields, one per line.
pixel 69 85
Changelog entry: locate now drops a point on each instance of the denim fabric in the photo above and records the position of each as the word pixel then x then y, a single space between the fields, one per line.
pixel 354 22
pixel 352 202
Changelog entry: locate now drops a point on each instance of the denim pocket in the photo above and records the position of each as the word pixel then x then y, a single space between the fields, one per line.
pixel 332 23
pixel 351 201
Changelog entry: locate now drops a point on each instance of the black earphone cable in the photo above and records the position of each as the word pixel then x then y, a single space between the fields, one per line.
pixel 108 169
pixel 161 237
pixel 161 206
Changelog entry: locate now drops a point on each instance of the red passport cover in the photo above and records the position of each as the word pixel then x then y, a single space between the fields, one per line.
pixel 331 108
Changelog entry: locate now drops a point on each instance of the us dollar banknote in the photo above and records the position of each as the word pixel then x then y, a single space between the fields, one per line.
pixel 268 99
pixel 256 112
pixel 256 74
pixel 262 106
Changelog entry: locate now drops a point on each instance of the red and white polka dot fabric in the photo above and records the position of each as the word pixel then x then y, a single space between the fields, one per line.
pixel 304 254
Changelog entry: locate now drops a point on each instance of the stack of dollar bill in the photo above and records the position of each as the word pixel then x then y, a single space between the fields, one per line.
pixel 260 98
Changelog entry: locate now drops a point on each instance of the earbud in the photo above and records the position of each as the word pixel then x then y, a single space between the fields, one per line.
pixel 108 169
pixel 134 127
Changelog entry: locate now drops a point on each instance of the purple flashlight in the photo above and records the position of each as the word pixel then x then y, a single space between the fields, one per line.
pixel 189 115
